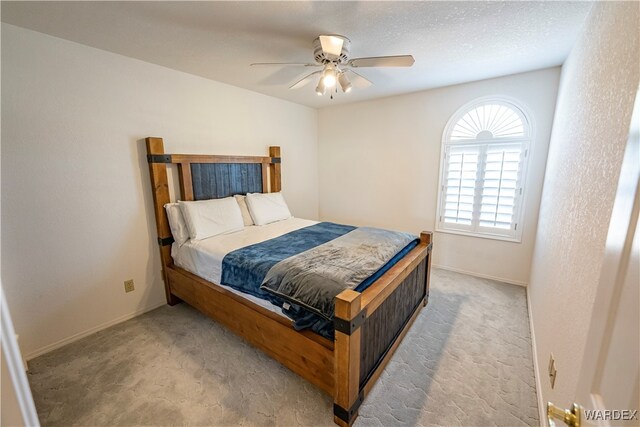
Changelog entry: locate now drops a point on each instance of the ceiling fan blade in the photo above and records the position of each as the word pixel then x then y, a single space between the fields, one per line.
pixel 331 45
pixel 283 64
pixel 383 61
pixel 358 80
pixel 303 81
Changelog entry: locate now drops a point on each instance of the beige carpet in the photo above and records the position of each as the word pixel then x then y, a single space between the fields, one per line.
pixel 466 362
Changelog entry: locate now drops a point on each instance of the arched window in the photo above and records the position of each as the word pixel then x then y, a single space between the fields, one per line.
pixel 485 147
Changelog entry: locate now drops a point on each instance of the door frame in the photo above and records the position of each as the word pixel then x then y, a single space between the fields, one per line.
pixel 13 358
pixel 622 230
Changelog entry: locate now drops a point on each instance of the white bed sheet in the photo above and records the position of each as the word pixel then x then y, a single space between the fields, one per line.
pixel 204 257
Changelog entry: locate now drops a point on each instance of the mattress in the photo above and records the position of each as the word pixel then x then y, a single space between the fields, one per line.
pixel 204 257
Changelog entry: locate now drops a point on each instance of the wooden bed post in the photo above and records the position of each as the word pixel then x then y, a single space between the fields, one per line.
pixel 426 237
pixel 186 182
pixel 347 320
pixel 160 189
pixel 275 169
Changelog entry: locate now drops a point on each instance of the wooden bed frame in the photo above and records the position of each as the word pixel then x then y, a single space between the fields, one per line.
pixel 369 325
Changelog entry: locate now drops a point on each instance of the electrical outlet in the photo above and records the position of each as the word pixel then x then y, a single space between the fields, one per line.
pixel 552 370
pixel 129 286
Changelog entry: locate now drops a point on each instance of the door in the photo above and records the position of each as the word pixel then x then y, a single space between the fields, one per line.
pixel 609 384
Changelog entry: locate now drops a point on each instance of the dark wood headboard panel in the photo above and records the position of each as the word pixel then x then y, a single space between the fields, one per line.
pixel 205 176
pixel 217 180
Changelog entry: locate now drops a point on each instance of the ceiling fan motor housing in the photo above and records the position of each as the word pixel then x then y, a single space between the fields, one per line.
pixel 322 58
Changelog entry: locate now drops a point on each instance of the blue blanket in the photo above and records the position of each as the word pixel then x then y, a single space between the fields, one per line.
pixel 313 279
pixel 245 269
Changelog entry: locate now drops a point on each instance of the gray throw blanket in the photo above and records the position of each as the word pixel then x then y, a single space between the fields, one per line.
pixel 312 279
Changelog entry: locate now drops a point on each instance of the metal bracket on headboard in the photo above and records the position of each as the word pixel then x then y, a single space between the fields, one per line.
pixel 276 160
pixel 166 241
pixel 159 158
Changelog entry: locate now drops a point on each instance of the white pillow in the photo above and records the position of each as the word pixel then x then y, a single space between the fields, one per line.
pixel 208 218
pixel 246 216
pixel 176 223
pixel 266 208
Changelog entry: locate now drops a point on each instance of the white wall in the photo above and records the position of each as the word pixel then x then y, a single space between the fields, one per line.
pixel 379 164
pixel 77 217
pixel 598 84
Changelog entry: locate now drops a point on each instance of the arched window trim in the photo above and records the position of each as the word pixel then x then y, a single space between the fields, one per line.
pixel 514 234
pixel 515 105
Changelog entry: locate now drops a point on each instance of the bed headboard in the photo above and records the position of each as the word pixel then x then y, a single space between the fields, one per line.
pixel 204 176
pixel 217 180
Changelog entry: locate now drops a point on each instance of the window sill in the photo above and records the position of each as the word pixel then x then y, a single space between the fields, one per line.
pixel 517 239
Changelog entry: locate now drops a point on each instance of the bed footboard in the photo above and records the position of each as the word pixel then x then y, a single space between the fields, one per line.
pixel 370 326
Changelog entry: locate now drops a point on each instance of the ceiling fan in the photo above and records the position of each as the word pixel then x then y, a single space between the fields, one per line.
pixel 331 52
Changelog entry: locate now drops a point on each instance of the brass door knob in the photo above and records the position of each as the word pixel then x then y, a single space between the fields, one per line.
pixel 571 417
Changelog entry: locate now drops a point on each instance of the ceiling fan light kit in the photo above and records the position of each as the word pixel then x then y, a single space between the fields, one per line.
pixel 320 88
pixel 329 75
pixel 345 84
pixel 331 52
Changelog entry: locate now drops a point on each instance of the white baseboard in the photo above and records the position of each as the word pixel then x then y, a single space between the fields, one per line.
pixel 542 413
pixel 53 346
pixel 483 276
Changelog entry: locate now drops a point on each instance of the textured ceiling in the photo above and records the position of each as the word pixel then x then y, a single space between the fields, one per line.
pixel 452 42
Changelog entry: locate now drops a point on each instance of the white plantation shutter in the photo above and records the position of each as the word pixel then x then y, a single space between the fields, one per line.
pixel 485 151
pixel 500 186
pixel 460 185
